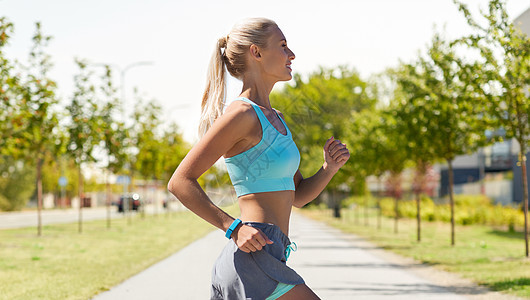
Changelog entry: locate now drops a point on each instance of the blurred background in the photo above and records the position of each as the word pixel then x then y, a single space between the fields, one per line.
pixel 102 99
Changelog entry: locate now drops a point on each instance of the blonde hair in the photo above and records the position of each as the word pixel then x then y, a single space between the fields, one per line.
pixel 236 44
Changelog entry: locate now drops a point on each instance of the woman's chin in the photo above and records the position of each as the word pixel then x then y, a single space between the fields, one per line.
pixel 287 78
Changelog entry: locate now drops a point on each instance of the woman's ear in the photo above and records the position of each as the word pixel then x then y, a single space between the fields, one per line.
pixel 255 52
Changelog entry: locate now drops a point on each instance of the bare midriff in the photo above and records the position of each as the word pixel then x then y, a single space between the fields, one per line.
pixel 268 207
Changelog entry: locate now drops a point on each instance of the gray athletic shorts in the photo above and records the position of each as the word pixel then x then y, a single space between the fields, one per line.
pixel 255 275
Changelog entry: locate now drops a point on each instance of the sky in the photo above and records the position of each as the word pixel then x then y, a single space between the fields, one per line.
pixel 176 39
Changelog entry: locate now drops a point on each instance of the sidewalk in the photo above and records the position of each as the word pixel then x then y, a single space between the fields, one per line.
pixel 333 264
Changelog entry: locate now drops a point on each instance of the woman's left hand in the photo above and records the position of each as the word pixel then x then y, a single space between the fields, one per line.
pixel 336 154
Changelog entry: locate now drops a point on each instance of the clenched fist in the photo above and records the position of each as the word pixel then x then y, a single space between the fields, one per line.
pixel 336 154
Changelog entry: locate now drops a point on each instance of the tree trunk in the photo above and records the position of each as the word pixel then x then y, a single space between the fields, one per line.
pixel 419 186
pixel 127 213
pixel 452 201
pixel 336 204
pixel 379 212
pixel 108 200
pixel 80 192
pixel 357 213
pixel 365 211
pixel 40 161
pixel 522 161
pixel 418 215
pixel 396 208
pixel 155 200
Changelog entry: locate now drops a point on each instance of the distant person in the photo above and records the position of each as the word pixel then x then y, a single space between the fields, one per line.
pixel 262 161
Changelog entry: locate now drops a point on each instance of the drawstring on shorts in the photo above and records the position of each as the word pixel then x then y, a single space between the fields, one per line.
pixel 291 247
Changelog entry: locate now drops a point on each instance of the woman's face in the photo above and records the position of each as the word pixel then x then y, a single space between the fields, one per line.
pixel 277 57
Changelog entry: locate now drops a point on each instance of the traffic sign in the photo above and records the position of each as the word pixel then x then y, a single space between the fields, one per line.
pixel 63 181
pixel 123 179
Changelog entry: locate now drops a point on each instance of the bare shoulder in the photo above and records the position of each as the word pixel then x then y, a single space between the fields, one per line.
pixel 238 121
pixel 239 109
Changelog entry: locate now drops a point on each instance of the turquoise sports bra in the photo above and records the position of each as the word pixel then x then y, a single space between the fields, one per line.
pixel 268 166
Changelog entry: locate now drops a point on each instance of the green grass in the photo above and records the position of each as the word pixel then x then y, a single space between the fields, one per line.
pixel 490 257
pixel 63 264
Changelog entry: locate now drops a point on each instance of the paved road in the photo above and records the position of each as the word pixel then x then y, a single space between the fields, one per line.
pixel 29 218
pixel 69 215
pixel 334 265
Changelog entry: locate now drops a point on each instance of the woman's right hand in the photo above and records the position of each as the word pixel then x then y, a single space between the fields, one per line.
pixel 249 239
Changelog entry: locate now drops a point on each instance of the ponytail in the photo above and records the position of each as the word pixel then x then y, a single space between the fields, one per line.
pixel 213 99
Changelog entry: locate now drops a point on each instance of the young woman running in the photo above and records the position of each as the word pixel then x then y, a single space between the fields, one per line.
pixel 262 161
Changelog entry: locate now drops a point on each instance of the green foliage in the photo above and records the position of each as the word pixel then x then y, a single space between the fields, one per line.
pixel 53 169
pixel 83 130
pixel 37 103
pixel 174 150
pixel 502 77
pixel 145 133
pixel 437 106
pixel 437 109
pixel 158 151
pixel 469 209
pixel 10 119
pixel 17 184
pixel 502 74
pixel 114 133
pixel 354 201
pixel 366 141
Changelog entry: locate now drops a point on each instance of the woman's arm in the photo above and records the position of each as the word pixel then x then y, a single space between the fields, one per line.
pixel 229 129
pixel 307 189
pixel 218 140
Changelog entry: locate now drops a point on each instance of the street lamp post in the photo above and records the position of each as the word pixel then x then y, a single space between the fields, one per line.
pixel 122 80
pixel 123 71
pixel 124 114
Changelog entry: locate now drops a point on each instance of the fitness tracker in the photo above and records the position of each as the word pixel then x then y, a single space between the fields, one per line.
pixel 232 228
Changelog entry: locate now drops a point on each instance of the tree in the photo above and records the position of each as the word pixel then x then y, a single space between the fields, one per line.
pixel 114 133
pixel 502 77
pixel 83 130
pixel 16 184
pixel 440 102
pixel 148 160
pixel 393 156
pixel 54 168
pixel 175 149
pixel 365 141
pixel 15 177
pixel 414 124
pixel 38 136
pixel 10 118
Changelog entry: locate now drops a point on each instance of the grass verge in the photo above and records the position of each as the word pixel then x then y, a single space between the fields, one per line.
pixel 487 256
pixel 63 264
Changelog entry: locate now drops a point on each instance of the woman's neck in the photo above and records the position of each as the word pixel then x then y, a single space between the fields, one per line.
pixel 257 90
